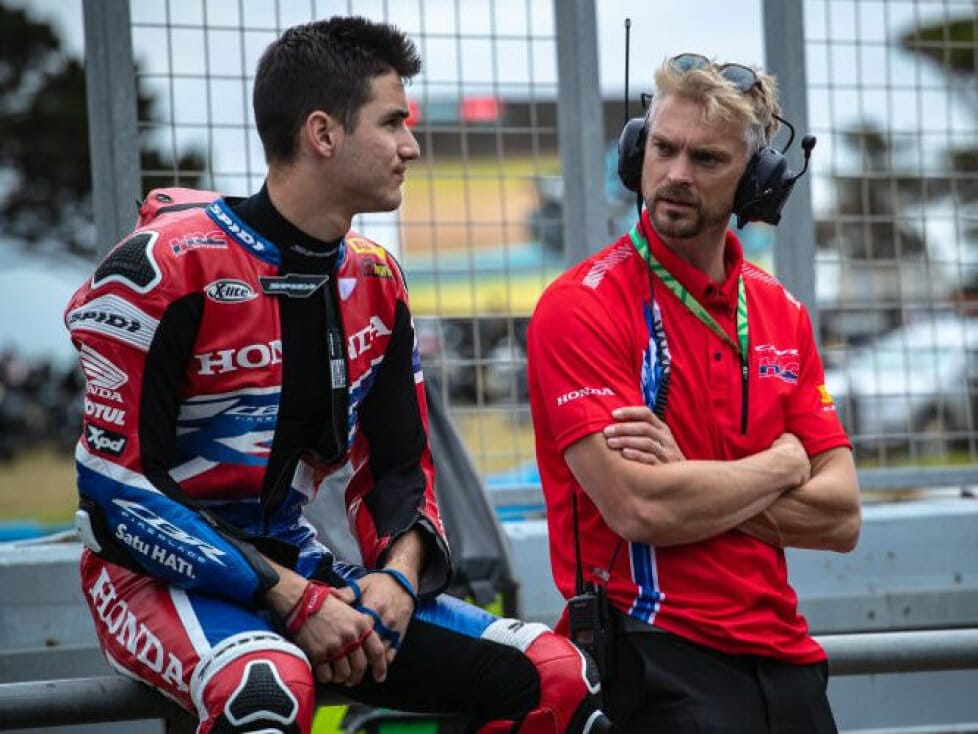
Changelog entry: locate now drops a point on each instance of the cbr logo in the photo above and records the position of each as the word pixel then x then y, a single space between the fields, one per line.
pixel 251 357
pixel 105 413
pixel 168 529
pixel 229 291
pixel 105 441
pixel 361 341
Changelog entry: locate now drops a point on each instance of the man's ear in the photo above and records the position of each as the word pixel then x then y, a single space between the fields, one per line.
pixel 322 133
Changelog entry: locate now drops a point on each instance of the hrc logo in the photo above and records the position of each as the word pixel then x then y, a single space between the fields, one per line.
pixel 780 363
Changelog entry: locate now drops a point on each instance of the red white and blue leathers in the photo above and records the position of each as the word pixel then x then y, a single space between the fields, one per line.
pixel 191 279
pixel 226 376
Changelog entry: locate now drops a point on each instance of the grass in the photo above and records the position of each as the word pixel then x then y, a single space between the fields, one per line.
pixel 39 485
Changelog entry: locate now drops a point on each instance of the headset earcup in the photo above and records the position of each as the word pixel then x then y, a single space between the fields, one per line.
pixel 763 189
pixel 631 150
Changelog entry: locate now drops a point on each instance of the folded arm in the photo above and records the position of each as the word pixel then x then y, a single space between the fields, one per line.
pixel 684 501
pixel 822 514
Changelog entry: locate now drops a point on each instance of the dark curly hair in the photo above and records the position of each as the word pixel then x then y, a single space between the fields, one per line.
pixel 325 65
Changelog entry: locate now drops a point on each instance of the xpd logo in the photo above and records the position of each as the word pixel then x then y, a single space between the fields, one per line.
pixel 780 363
pixel 360 342
pixel 104 441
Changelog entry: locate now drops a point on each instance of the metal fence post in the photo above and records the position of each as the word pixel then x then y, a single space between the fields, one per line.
pixel 580 129
pixel 794 250
pixel 112 134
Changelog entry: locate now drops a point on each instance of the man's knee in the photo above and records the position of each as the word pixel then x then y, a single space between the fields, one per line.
pixel 570 689
pixel 254 682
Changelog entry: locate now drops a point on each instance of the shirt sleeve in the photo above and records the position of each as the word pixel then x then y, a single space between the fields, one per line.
pixel 582 363
pixel 811 414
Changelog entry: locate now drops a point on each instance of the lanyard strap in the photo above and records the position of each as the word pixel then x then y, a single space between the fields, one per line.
pixel 689 301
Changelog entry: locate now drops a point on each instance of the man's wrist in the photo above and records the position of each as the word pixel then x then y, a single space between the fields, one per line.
pixel 283 597
pixel 408 585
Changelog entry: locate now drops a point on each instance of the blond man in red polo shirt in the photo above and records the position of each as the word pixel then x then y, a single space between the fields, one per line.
pixel 684 434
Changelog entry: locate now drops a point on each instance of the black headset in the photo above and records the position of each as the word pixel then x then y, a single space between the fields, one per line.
pixel 762 191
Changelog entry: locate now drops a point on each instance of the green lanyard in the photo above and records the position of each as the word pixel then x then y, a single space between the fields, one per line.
pixel 690 302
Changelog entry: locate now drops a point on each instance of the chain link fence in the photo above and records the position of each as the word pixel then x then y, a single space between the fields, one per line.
pixel 891 272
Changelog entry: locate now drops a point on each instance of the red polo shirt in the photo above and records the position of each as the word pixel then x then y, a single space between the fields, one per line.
pixel 596 342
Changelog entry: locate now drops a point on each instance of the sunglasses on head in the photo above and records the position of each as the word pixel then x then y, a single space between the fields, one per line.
pixel 742 77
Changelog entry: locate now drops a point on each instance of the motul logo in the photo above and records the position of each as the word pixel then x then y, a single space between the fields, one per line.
pixel 251 357
pixel 106 413
pixel 229 291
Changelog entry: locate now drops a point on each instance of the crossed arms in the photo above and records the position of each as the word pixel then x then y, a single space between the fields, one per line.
pixel 648 492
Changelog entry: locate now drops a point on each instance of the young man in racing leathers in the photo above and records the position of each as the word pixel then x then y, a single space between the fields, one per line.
pixel 238 351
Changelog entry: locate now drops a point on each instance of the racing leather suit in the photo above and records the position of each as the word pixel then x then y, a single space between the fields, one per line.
pixel 226 377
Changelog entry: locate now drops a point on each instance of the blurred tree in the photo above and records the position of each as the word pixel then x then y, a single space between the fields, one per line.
pixel 952 45
pixel 45 171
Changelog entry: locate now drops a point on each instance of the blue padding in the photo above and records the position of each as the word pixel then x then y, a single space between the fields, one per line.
pixel 456 615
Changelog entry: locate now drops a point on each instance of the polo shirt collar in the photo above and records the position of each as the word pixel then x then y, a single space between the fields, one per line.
pixel 695 281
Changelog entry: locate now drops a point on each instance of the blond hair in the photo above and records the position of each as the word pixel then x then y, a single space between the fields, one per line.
pixel 722 102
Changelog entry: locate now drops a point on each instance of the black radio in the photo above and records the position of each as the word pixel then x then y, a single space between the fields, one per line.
pixel 591 627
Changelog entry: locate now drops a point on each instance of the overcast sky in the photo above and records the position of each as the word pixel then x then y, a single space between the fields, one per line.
pixel 658 29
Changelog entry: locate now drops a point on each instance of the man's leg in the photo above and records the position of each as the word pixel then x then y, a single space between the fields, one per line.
pixel 796 697
pixel 457 658
pixel 212 657
pixel 666 684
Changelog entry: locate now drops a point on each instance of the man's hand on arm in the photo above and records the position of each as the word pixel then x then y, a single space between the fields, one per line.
pixel 640 436
pixel 822 514
pixel 658 498
pixel 391 593
pixel 338 639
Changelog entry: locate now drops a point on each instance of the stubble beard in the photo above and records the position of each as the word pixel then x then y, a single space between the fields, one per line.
pixel 685 226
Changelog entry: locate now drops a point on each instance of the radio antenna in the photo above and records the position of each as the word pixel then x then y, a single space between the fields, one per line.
pixel 628 35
